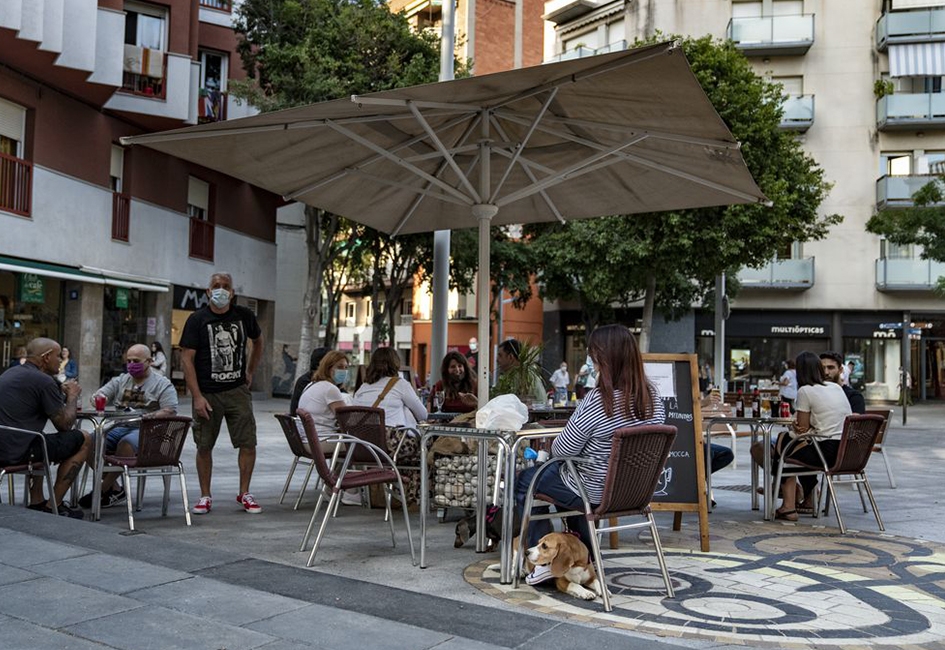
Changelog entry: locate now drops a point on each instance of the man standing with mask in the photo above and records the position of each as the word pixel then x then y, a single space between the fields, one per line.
pixel 218 375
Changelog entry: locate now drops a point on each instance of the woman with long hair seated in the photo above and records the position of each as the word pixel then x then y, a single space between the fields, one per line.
pixel 623 397
pixel 384 388
pixel 457 385
pixel 821 407
pixel 323 396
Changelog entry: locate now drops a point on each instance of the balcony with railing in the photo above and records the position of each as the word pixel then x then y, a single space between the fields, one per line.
pixel 145 72
pixel 201 239
pixel 789 274
pixel 901 27
pixel 121 216
pixel 897 191
pixel 16 185
pixel 908 274
pixel 158 85
pixel 211 106
pixel 798 113
pixel 909 111
pixel 219 5
pixel 772 35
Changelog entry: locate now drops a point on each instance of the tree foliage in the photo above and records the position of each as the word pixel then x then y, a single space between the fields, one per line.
pixel 603 262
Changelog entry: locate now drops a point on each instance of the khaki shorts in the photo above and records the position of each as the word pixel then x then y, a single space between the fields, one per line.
pixel 236 407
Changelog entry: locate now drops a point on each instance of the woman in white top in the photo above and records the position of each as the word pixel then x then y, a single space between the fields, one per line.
pixel 788 390
pixel 323 397
pixel 158 358
pixel 821 407
pixel 384 388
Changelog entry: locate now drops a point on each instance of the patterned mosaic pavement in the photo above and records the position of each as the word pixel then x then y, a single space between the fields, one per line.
pixel 764 584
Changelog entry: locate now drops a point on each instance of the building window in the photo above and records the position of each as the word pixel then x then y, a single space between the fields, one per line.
pixel 219 5
pixel 351 313
pixel 201 219
pixel 895 164
pixel 121 202
pixel 211 99
pixel 145 55
pixel 16 174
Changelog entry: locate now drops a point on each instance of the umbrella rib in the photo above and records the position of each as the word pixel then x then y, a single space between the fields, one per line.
pixel 568 172
pixel 645 162
pixel 470 128
pixel 524 162
pixel 511 116
pixel 524 143
pixel 447 156
pixel 370 161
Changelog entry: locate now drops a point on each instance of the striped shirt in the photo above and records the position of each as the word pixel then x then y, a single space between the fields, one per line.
pixel 589 433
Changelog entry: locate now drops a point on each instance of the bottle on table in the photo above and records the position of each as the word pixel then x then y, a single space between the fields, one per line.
pixel 755 404
pixel 739 406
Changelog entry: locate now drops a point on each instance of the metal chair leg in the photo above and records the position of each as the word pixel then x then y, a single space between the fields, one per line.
pixel 403 497
pixel 311 522
pixel 869 494
pixel 131 514
pixel 889 471
pixel 599 561
pixel 183 491
pixel 836 504
pixel 659 556
pixel 387 513
pixel 288 479
pixel 336 496
pixel 308 475
pixel 140 484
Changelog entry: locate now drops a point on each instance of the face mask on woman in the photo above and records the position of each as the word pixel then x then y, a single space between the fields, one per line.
pixel 339 376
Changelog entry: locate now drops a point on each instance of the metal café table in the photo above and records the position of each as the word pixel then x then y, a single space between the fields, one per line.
pixel 508 443
pixel 762 426
pixel 98 419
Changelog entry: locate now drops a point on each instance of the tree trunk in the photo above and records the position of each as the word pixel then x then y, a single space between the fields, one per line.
pixel 312 302
pixel 377 285
pixel 648 300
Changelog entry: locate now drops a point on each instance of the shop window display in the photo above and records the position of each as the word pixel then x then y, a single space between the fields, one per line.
pixel 29 307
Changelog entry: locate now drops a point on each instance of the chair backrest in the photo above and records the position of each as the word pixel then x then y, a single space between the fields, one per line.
pixel 318 455
pixel 856 443
pixel 637 458
pixel 365 423
pixel 887 416
pixel 294 433
pixel 161 440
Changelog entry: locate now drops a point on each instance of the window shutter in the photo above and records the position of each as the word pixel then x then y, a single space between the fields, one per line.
pixel 12 121
pixel 198 194
pixel 118 162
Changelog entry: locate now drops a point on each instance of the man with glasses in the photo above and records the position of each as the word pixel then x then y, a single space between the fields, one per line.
pixel 139 389
pixel 30 395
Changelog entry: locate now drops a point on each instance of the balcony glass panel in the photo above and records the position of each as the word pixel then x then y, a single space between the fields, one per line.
pixel 910 26
pixel 798 109
pixel 911 107
pixel 908 274
pixel 780 273
pixel 772 29
pixel 893 191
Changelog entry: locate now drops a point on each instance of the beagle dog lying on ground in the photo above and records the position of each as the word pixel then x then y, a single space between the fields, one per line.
pixel 568 558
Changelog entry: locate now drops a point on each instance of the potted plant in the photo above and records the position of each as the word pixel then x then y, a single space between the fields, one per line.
pixel 519 379
pixel 883 87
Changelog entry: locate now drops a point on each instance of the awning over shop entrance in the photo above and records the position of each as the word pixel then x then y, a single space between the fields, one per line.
pixel 84 274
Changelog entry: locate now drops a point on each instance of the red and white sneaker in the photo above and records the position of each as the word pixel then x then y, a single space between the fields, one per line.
pixel 248 501
pixel 203 506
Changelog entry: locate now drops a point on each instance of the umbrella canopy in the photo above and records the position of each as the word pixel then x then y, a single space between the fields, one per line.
pixel 619 133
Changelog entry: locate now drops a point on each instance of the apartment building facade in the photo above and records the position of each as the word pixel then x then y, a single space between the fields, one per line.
pixel 875 69
pixel 104 245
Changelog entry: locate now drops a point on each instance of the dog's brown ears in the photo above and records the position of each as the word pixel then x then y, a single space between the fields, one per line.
pixel 562 560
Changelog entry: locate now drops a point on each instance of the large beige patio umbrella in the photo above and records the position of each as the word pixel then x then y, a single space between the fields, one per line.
pixel 619 133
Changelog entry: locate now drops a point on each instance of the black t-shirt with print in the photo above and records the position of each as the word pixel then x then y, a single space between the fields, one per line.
pixel 220 344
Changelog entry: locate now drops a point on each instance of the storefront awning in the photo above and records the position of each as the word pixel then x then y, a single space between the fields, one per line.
pixel 85 274
pixel 917 60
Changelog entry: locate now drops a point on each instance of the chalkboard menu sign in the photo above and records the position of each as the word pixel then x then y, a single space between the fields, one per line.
pixel 682 485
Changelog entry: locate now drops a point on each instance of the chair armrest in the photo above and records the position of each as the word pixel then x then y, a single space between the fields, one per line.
pixel 378 453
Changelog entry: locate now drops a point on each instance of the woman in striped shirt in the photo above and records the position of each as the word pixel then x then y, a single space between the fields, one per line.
pixel 622 398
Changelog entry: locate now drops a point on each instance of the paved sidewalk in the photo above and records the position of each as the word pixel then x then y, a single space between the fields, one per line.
pixel 235 580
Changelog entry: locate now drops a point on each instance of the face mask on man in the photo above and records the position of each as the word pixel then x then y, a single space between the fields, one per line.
pixel 135 368
pixel 219 298
pixel 340 376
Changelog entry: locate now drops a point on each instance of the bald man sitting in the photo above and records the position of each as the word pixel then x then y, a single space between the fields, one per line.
pixel 139 388
pixel 29 396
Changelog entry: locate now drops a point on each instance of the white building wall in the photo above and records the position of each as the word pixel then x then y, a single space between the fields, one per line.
pixel 78 37
pixel 52 25
pixel 80 214
pixel 109 42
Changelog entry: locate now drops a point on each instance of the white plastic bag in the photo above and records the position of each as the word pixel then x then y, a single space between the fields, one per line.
pixel 505 412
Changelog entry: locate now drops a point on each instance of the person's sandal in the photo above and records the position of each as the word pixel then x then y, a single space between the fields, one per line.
pixel 786 515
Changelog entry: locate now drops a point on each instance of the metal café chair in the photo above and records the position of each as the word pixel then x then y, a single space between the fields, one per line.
pixel 294 434
pixel 853 453
pixel 32 467
pixel 334 482
pixel 637 458
pixel 880 446
pixel 160 442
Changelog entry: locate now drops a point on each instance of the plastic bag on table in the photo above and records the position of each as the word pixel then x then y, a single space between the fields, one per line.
pixel 505 412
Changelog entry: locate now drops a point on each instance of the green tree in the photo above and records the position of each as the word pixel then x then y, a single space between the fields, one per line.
pixel 298 52
pixel 923 224
pixel 670 260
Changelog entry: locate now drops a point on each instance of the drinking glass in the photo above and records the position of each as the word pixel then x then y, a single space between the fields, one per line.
pixel 438 398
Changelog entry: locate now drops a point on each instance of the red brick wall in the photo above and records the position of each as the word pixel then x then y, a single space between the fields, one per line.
pixel 495 34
